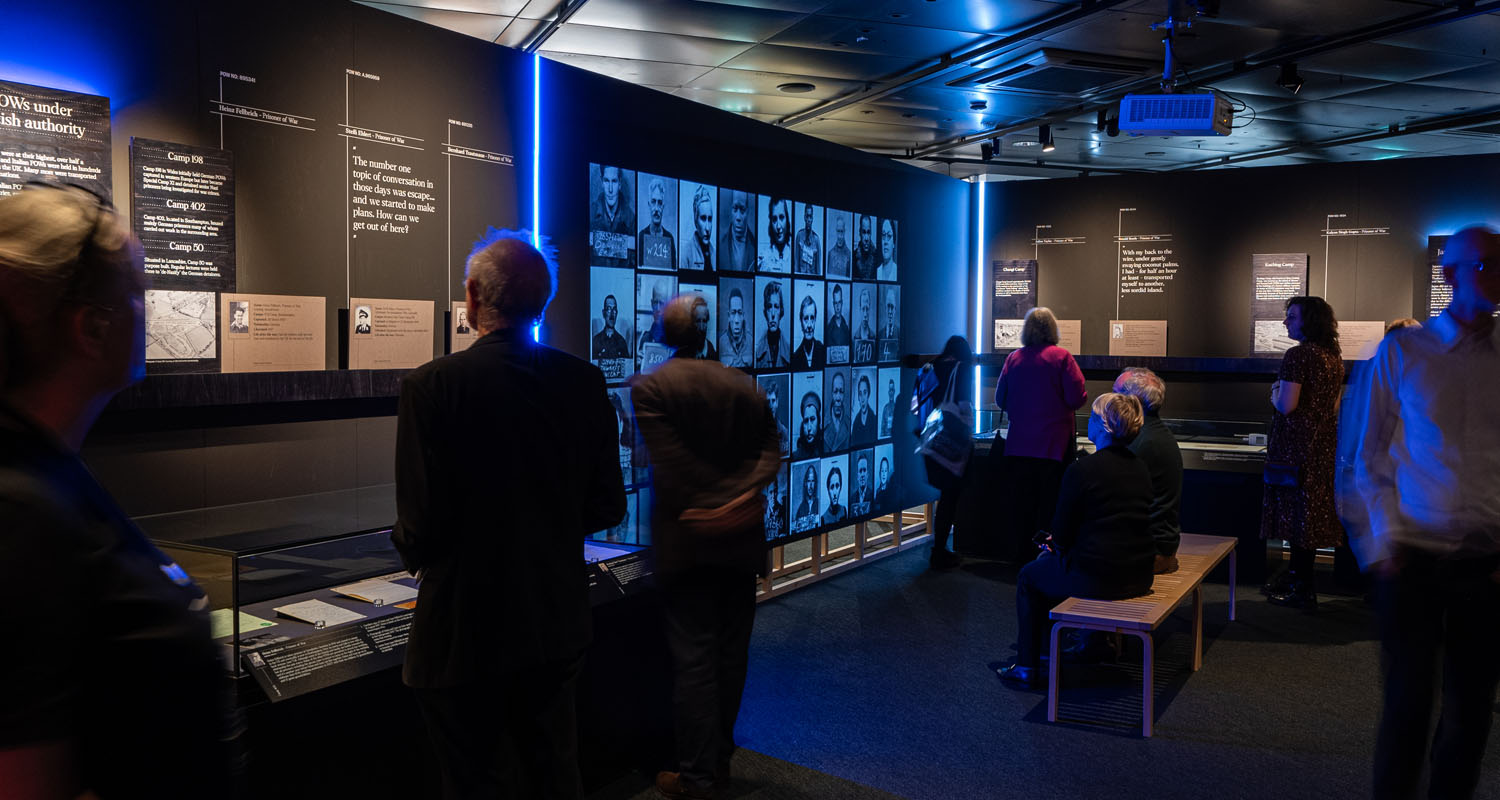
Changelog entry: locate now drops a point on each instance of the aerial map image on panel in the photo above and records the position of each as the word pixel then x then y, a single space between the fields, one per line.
pixel 180 325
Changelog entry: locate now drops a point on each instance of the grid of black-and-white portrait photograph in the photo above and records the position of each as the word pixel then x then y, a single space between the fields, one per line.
pixel 800 295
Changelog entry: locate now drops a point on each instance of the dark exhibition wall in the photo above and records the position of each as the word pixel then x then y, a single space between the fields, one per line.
pixel 310 103
pixel 1376 263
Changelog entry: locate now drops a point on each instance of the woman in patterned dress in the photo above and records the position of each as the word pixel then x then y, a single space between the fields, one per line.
pixel 1304 434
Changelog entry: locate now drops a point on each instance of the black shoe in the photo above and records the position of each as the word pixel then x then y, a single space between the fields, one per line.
pixel 1280 583
pixel 1090 648
pixel 1299 595
pixel 1029 677
pixel 943 559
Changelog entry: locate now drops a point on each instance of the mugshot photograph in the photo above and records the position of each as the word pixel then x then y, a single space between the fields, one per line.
pixel 611 323
pixel 775 245
pixel 808 415
pixel 363 319
pixel 808 241
pixel 889 334
pixel 736 345
pixel 861 483
pixel 863 420
pixel 887 269
pixel 777 389
pixel 773 348
pixel 865 295
pixel 737 244
pixel 652 293
pixel 656 243
pixel 239 317
pixel 806 510
pixel 837 336
pixel 775 493
pixel 704 317
pixel 619 400
pixel 866 250
pixel 461 322
pixel 611 216
pixel 834 509
pixel 838 236
pixel 810 352
pixel 835 409
pixel 890 390
pixel 885 481
pixel 697 226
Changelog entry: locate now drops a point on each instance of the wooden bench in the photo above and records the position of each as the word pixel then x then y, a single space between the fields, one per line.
pixel 1139 616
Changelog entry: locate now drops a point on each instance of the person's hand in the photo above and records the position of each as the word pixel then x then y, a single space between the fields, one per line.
pixel 1275 391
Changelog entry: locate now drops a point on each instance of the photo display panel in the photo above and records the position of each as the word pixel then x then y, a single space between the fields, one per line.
pixel 801 296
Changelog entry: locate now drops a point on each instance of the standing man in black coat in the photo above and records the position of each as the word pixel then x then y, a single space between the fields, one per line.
pixel 506 458
pixel 714 445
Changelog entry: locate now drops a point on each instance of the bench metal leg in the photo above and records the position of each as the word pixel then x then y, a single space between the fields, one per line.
pixel 1234 563
pixel 1198 627
pixel 1052 674
pixel 1148 681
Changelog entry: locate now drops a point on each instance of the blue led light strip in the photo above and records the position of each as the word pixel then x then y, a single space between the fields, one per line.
pixel 978 294
pixel 536 165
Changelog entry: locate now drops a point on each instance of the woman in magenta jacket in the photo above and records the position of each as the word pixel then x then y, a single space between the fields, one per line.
pixel 1039 388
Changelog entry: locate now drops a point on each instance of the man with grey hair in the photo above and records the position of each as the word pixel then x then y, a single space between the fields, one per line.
pixel 655 244
pixel 714 446
pixel 511 425
pixel 1157 448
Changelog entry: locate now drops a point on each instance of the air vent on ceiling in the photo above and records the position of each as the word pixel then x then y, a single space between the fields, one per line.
pixel 1049 71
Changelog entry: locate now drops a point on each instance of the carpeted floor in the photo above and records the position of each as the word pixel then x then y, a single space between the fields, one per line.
pixel 882 677
pixel 758 777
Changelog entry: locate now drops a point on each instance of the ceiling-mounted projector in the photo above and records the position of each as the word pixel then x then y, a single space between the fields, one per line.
pixel 1206 114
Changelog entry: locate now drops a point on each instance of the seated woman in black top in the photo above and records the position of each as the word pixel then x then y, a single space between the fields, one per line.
pixel 1101 545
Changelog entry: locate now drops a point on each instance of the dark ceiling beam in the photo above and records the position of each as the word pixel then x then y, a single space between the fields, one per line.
pixel 949 62
pixel 1080 168
pixel 1435 125
pixel 1460 10
pixel 538 37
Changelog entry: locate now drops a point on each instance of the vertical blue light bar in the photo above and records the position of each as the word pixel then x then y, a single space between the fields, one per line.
pixel 979 339
pixel 536 165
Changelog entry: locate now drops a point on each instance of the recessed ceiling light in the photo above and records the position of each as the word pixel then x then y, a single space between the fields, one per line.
pixel 899 15
pixel 908 115
pixel 1026 143
pixel 1156 152
pixel 796 87
pixel 1461 108
pixel 978 105
pixel 840 44
pixel 867 111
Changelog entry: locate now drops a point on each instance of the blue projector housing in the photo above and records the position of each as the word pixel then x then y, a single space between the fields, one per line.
pixel 1175 115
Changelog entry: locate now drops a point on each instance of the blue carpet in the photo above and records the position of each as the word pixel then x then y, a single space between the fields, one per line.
pixel 881 677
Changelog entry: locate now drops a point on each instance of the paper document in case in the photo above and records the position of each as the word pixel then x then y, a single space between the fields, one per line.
pixel 319 613
pixel 379 592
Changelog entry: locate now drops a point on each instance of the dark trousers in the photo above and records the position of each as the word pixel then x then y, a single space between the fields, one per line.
pixel 1041 585
pixel 709 614
pixel 948 486
pixel 514 737
pixel 1440 625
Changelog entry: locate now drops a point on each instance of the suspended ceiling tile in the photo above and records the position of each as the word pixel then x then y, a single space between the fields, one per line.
pixel 653 73
pixel 1130 34
pixel 796 6
pixel 1315 85
pixel 1388 63
pixel 1337 114
pixel 686 17
pixel 744 81
pixel 743 103
pixel 1302 18
pixel 502 8
pixel 644 45
pixel 1424 100
pixel 1420 143
pixel 518 31
pixel 965 15
pixel 1476 148
pixel 822 63
pixel 1477 37
pixel 935 94
pixel 480 26
pixel 875 38
pixel 1481 78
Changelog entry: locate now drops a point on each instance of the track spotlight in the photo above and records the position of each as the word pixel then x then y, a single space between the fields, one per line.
pixel 1289 79
pixel 1044 135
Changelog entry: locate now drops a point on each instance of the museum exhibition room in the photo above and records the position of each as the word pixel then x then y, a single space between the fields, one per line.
pixel 988 264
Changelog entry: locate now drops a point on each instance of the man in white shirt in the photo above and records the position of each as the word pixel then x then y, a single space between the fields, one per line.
pixel 1426 469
